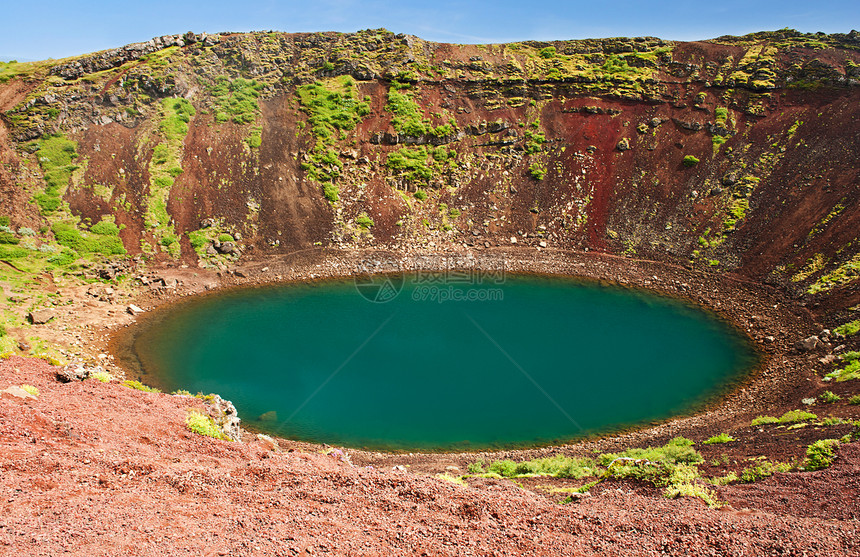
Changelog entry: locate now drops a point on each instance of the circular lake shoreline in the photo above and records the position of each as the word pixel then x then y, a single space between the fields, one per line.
pixel 481 329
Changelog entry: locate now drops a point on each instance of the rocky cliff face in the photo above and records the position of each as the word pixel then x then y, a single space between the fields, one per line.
pixel 737 154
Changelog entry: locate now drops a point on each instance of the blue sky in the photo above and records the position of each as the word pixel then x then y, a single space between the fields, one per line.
pixel 38 30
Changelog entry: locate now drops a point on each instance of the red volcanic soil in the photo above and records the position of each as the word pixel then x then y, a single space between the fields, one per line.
pixel 100 469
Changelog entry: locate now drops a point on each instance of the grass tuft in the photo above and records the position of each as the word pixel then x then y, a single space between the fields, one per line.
pixel 721 438
pixel 140 386
pixel 204 425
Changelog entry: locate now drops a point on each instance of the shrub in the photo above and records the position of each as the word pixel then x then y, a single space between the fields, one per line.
pixel 762 420
pixel 69 236
pixel 225 238
pixel 2 330
pixel 854 399
pixel 558 466
pixel 140 386
pixel 689 489
pixel 821 454
pixel 790 417
pixel 829 396
pixel 850 371
pixel 793 416
pixel 204 425
pixel 420 195
pixel 105 228
pixel 8 238
pixel 690 160
pixel 849 329
pixel 547 53
pixel 364 221
pixel 721 438
pixel 763 469
pixel 330 192
pixel 411 164
pixel 537 171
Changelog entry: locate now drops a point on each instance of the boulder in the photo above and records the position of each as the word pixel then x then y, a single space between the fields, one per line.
pixel 807 344
pixel 623 145
pixel 72 372
pixel 42 316
pixel 226 416
pixel 226 247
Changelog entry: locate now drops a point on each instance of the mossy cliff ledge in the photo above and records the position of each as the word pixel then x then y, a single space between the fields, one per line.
pixel 736 154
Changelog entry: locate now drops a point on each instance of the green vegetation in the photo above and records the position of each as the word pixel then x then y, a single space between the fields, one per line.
pixel 851 369
pixel 762 469
pixel 721 438
pixel 204 425
pixel 236 99
pixel 256 138
pixel 790 417
pixel 547 53
pixel 140 386
pixel 533 141
pixel 843 274
pixel 537 171
pixel 411 164
pixel 102 376
pixel 55 154
pixel 177 114
pixel 821 454
pixel 690 160
pixel 849 329
pixel 102 238
pixel 854 399
pixel 420 195
pixel 409 118
pixel 364 221
pixel 164 166
pixel 333 108
pixel 13 68
pixel 682 483
pixel 736 211
pixel 829 396
pixel 813 265
pixel 558 466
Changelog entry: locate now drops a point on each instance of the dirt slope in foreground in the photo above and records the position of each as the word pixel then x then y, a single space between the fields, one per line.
pixel 99 469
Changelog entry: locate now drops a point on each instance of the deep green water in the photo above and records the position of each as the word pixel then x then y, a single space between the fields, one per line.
pixel 551 361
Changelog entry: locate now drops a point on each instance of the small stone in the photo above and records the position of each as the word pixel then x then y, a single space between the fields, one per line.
pixel 513 239
pixel 134 310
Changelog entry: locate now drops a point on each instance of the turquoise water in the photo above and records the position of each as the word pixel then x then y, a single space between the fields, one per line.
pixel 529 361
